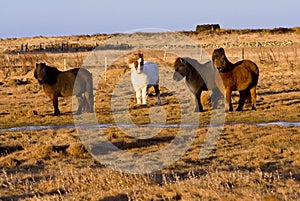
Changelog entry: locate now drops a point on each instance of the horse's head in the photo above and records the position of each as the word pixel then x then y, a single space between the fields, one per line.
pixel 181 69
pixel 136 62
pixel 40 72
pixel 45 74
pixel 219 59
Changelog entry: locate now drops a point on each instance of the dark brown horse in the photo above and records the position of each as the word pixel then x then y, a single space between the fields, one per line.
pixel 77 82
pixel 241 76
pixel 199 77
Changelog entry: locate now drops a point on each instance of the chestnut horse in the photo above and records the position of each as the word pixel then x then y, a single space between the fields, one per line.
pixel 241 76
pixel 199 77
pixel 77 82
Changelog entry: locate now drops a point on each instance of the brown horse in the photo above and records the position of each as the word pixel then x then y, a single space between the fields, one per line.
pixel 241 76
pixel 199 77
pixel 68 83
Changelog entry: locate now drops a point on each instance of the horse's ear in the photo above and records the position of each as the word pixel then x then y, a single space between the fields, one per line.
pixel 141 55
pixel 222 50
pixel 43 64
pixel 182 60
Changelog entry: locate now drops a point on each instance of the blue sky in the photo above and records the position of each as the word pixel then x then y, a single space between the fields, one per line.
pixel 71 17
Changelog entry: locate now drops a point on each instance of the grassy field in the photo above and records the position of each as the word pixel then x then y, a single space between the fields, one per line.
pixel 250 160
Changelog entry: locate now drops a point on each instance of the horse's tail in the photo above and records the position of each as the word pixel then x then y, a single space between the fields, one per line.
pixel 254 70
pixel 255 74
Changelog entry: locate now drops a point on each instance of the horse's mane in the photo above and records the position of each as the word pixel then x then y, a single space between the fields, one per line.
pixel 205 70
pixel 228 65
pixel 193 63
pixel 52 73
pixel 189 61
pixel 135 59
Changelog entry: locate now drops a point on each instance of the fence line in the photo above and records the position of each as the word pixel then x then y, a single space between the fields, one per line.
pixel 52 47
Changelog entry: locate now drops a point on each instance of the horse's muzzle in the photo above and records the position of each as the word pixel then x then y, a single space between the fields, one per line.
pixel 177 76
pixel 41 81
pixel 218 65
pixel 221 69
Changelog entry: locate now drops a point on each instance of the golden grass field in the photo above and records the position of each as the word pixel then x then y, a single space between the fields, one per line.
pixel 250 161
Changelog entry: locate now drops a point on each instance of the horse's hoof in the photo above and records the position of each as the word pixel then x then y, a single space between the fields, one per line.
pixel 229 110
pixel 253 108
pixel 56 112
pixel 239 109
pixel 197 110
pixel 214 107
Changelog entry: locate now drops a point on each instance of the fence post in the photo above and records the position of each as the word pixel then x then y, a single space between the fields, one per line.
pixel 165 54
pixel 243 53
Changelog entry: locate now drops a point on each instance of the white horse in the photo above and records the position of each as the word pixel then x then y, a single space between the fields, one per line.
pixel 143 76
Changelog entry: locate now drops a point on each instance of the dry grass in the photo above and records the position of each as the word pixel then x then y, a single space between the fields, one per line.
pixel 249 162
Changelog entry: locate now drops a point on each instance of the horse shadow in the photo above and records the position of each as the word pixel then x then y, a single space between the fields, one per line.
pixel 100 148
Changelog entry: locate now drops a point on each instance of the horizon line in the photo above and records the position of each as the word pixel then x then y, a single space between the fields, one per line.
pixel 137 31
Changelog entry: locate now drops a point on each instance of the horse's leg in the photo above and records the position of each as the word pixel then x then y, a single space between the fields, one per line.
pixel 199 107
pixel 144 95
pixel 147 90
pixel 253 97
pixel 138 96
pixel 243 96
pixel 55 105
pixel 157 92
pixel 81 101
pixel 228 105
pixel 216 95
pixel 249 97
pixel 88 102
pixel 85 105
